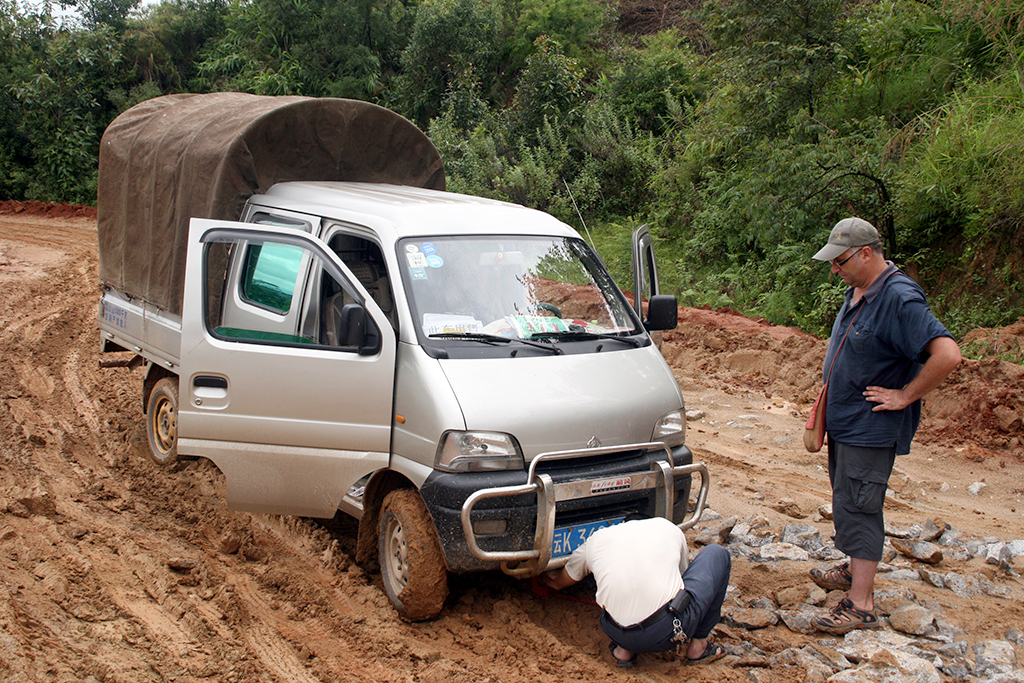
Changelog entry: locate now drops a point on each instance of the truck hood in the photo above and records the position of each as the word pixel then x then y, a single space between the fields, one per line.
pixel 557 403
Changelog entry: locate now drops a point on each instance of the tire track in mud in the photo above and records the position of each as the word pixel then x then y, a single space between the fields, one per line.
pixel 83 406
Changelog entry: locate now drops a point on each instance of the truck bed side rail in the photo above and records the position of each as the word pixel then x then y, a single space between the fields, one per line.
pixel 531 562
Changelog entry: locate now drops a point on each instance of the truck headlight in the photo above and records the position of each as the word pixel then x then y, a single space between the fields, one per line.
pixel 477 452
pixel 671 429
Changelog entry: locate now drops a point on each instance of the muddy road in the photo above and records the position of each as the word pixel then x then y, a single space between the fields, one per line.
pixel 112 569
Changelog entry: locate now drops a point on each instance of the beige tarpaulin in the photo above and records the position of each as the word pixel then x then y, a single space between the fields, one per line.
pixel 172 158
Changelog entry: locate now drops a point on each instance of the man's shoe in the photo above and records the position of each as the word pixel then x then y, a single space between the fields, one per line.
pixel 624 663
pixel 837 578
pixel 844 618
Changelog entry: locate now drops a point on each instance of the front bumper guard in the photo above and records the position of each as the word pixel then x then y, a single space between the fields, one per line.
pixel 527 563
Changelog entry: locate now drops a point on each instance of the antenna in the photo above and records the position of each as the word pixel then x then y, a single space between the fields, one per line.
pixel 578 213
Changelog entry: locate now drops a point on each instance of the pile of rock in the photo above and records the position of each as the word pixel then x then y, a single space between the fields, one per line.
pixel 922 641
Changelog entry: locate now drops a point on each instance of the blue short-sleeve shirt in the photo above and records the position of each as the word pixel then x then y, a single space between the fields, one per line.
pixel 885 347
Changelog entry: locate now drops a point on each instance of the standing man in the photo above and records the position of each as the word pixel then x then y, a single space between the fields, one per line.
pixel 648 606
pixel 895 352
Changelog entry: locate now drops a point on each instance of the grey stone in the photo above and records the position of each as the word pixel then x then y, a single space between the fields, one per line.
pixel 913 619
pixel 694 415
pixel 994 657
pixel 858 646
pixel 716 532
pixel 932 578
pixel 812 665
pixel 950 537
pixel 892 599
pixel 931 530
pixel 903 575
pixel 997 554
pixel 783 551
pixel 966 587
pixel 1015 635
pixel 749 619
pixel 802 535
pixel 896 531
pixel 829 656
pixel 741 550
pixel 958 672
pixel 888 665
pixel 799 620
pixel 1016 676
pixel 808 593
pixel 1016 548
pixel 975 488
pixel 763 602
pixel 957 648
pixel 825 511
pixel 922 551
pixel 710 515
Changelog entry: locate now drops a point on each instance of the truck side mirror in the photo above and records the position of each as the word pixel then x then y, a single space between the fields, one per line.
pixel 355 330
pixel 662 312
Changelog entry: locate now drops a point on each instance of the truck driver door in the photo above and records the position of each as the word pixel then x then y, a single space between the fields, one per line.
pixel 287 368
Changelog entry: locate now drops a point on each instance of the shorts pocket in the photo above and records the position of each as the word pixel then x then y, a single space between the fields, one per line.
pixel 867 489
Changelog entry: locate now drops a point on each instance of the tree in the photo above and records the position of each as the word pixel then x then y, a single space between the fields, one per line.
pixel 339 48
pixel 788 52
pixel 451 40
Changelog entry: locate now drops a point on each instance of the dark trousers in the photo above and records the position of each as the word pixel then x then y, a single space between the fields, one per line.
pixel 859 476
pixel 706 580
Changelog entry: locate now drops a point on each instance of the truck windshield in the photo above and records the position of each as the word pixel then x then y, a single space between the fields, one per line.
pixel 517 287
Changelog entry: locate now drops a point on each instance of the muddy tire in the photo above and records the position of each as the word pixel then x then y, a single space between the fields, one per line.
pixel 162 422
pixel 411 563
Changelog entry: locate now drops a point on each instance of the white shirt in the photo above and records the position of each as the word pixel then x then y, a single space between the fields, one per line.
pixel 637 566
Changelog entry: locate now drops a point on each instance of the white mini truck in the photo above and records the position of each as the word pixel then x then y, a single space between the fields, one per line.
pixel 319 318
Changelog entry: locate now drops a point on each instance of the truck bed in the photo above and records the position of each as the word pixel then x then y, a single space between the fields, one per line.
pixel 136 326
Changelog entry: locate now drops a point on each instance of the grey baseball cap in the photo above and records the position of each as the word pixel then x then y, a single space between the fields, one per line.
pixel 849 233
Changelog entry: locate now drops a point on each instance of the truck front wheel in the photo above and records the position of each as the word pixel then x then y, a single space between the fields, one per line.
pixel 411 563
pixel 162 421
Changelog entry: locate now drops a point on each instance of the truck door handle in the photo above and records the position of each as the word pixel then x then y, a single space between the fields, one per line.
pixel 210 382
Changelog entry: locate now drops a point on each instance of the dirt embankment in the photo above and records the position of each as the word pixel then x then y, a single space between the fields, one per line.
pixel 114 570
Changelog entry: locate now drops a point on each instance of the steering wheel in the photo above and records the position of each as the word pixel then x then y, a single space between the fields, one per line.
pixel 545 306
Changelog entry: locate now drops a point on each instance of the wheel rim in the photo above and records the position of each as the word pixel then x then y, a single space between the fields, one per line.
pixel 165 426
pixel 397 556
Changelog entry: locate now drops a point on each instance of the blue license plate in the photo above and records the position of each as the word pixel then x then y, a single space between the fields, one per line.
pixel 568 538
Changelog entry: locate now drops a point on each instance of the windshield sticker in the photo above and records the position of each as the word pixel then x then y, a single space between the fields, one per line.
pixel 416 260
pixel 418 273
pixel 446 323
pixel 411 248
pixel 527 325
pixel 435 261
pixel 429 248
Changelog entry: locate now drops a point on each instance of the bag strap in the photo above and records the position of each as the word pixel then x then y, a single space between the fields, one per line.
pixel 842 341
pixel 859 309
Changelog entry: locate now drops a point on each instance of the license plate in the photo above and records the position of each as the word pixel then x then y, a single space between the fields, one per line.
pixel 568 538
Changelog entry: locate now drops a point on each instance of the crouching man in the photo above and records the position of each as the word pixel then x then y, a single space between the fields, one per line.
pixel 648 606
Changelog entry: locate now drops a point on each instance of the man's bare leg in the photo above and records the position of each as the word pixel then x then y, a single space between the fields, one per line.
pixel 863 585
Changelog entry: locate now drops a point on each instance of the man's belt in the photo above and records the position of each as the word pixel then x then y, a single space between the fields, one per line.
pixel 675 606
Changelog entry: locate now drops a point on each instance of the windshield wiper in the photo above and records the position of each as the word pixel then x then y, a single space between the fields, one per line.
pixel 494 339
pixel 572 335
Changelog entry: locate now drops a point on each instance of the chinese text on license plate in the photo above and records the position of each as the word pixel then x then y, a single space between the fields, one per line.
pixel 568 538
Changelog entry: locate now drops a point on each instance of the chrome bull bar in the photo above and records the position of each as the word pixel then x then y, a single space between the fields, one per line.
pixel 660 477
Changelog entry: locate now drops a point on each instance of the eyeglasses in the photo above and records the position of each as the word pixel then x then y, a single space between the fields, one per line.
pixel 840 264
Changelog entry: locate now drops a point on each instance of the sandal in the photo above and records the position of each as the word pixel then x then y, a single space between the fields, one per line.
pixel 624 663
pixel 712 652
pixel 844 618
pixel 837 578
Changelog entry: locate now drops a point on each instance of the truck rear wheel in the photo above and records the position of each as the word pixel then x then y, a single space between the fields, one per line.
pixel 162 421
pixel 411 562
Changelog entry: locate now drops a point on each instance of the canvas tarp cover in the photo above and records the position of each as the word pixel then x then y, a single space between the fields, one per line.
pixel 172 158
